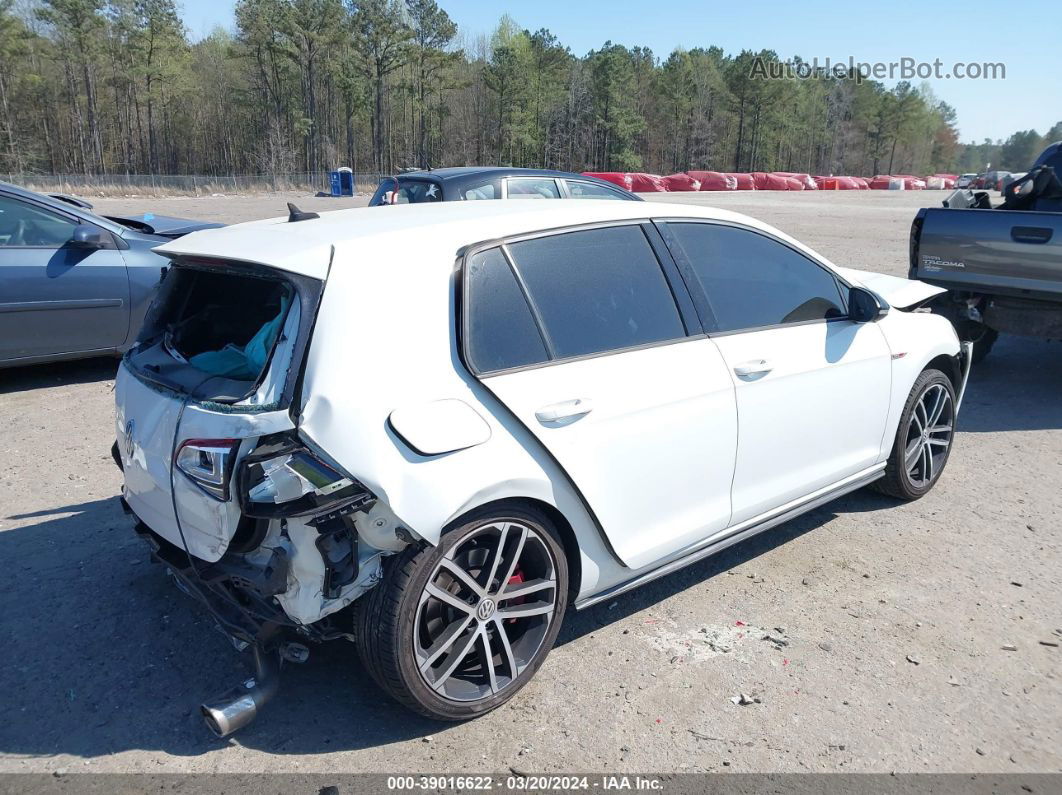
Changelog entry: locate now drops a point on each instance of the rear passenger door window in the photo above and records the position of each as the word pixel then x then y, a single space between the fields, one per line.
pixel 501 331
pixel 597 290
pixel 751 280
pixel 532 188
pixel 591 190
pixel 479 192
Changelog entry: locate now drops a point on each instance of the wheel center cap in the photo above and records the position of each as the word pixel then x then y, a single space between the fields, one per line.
pixel 485 609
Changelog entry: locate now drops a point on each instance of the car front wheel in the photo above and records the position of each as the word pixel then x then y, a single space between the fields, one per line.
pixel 454 631
pixel 923 439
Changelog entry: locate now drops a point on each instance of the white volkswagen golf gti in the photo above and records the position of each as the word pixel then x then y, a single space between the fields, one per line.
pixel 432 431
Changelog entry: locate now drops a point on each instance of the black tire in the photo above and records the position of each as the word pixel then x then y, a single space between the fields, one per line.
pixel 391 620
pixel 983 345
pixel 900 480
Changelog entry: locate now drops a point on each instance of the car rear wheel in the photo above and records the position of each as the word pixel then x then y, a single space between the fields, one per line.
pixel 923 439
pixel 456 630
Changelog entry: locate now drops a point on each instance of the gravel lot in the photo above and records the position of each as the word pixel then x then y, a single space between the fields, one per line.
pixel 893 621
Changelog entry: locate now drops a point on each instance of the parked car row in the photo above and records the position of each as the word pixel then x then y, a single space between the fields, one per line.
pixel 989 180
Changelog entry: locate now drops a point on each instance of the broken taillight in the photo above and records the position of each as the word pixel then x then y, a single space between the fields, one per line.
pixel 293 481
pixel 208 463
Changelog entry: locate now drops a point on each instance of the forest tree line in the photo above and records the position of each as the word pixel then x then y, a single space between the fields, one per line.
pixel 117 87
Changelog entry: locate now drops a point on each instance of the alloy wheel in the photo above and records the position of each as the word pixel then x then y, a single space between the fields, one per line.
pixel 929 435
pixel 485 610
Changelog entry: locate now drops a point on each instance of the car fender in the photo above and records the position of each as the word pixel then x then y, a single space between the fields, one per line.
pixel 914 339
pixel 429 492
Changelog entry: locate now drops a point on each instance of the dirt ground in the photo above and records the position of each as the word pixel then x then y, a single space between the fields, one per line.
pixel 908 637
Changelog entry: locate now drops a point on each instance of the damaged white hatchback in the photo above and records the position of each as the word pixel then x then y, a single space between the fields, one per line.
pixel 432 431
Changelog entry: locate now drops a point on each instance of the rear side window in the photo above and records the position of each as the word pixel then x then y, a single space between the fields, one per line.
pixel 533 188
pixel 591 190
pixel 598 290
pixel 415 191
pixel 751 280
pixel 501 330
pixel 409 191
pixel 479 192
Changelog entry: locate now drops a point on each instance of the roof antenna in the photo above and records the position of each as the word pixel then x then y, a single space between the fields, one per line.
pixel 295 214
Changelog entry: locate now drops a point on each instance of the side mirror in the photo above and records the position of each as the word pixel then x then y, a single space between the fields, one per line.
pixel 865 306
pixel 87 236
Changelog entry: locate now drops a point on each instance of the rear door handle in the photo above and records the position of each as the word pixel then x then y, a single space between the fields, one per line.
pixel 565 410
pixel 1031 234
pixel 753 367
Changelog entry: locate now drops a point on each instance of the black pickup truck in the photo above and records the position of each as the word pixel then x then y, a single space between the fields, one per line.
pixel 1002 266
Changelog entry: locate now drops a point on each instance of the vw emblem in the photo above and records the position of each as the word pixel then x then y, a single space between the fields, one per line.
pixel 129 426
pixel 485 609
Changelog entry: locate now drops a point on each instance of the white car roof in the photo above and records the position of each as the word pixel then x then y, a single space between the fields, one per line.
pixel 305 247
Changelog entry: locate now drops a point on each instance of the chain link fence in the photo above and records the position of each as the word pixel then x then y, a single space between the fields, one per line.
pixel 184 184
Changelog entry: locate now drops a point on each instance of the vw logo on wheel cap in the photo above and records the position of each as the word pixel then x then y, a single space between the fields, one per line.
pixel 485 609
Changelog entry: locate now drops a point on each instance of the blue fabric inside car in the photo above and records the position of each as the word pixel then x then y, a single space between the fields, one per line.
pixel 246 362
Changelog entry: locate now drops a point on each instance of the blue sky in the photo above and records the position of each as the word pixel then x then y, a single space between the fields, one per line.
pixel 1022 36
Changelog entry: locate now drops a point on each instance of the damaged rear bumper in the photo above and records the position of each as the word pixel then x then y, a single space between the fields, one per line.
pixel 241 596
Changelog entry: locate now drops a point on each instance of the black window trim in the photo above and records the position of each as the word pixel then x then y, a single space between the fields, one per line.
pixel 503 243
pixel 700 295
pixel 680 291
pixel 536 315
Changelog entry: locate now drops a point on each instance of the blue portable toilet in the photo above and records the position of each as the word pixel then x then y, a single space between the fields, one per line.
pixel 341 181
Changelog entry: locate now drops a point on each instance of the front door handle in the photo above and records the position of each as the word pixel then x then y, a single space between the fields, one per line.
pixel 754 367
pixel 565 410
pixel 1031 234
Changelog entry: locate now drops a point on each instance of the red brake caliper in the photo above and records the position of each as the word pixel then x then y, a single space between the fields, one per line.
pixel 516 579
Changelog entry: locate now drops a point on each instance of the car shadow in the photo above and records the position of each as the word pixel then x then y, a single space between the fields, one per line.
pixel 39 376
pixel 105 655
pixel 610 611
pixel 1018 387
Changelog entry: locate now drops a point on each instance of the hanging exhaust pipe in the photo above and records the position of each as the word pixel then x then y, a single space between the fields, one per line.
pixel 238 706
